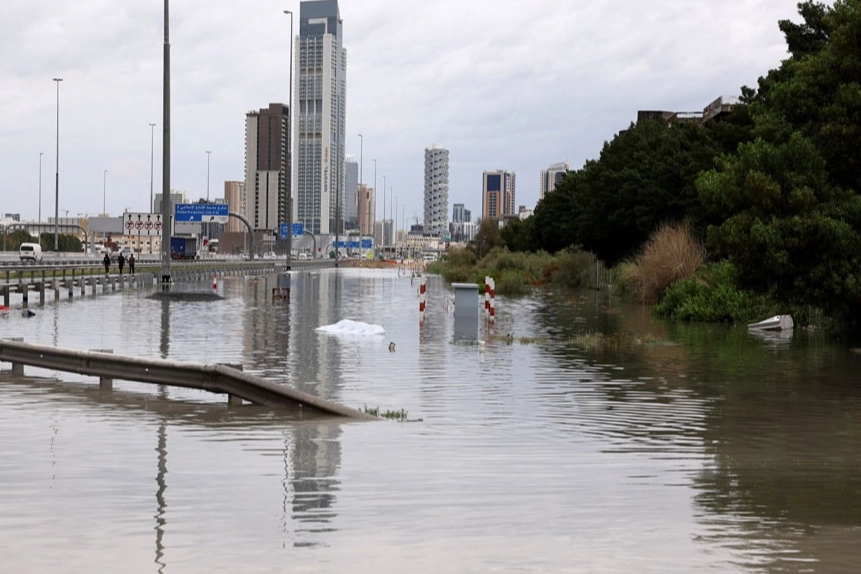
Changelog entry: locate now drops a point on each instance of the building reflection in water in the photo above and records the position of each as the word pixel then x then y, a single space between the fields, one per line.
pixel 280 343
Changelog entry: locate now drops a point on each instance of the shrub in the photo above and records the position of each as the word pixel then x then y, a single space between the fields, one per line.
pixel 711 295
pixel 513 283
pixel 575 268
pixel 671 253
pixel 460 257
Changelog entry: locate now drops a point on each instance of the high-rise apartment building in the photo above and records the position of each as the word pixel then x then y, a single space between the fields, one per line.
pixel 436 191
pixel 267 134
pixel 351 189
pixel 176 197
pixel 460 214
pixel 321 114
pixel 366 209
pixel 550 178
pixel 234 193
pixel 497 194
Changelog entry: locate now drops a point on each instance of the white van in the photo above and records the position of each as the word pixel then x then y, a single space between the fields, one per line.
pixel 31 251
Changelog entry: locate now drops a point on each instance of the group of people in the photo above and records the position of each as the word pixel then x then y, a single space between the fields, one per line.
pixel 121 263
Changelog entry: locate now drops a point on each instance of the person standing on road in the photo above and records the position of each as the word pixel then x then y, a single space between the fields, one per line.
pixel 107 262
pixel 132 263
pixel 121 261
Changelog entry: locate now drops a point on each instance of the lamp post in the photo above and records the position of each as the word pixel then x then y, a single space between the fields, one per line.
pixel 361 161
pixel 40 186
pixel 104 192
pixel 207 176
pixel 383 228
pixel 57 175
pixel 288 216
pixel 151 146
pixel 208 230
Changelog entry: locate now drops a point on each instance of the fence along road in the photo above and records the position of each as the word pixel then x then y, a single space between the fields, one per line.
pixel 221 379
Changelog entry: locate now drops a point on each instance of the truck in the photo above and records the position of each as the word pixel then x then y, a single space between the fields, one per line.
pixel 183 248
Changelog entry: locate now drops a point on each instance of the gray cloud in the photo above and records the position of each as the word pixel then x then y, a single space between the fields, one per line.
pixel 501 84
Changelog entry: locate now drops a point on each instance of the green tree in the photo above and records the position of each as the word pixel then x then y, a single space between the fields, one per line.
pixel 487 237
pixel 644 178
pixel 790 233
pixel 817 91
pixel 518 234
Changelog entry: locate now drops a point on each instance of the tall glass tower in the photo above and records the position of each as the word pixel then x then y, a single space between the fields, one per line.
pixel 321 114
pixel 436 191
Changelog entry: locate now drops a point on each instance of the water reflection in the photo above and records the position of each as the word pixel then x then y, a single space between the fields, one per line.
pixel 781 432
pixel 707 449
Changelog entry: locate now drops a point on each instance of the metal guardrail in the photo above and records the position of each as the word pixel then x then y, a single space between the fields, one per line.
pixel 219 379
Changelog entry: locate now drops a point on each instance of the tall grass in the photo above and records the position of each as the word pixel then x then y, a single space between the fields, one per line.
pixel 517 272
pixel 671 253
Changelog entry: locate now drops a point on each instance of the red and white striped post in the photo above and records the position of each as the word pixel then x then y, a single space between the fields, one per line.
pixel 492 305
pixel 486 296
pixel 422 298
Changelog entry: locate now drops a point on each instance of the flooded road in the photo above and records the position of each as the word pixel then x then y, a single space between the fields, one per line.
pixel 703 448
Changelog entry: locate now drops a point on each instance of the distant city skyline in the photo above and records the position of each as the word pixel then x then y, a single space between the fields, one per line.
pixel 413 80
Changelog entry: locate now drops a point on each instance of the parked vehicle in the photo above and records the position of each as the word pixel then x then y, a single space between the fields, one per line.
pixel 183 248
pixel 30 251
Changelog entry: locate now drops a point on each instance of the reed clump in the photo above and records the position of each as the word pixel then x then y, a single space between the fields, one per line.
pixel 671 254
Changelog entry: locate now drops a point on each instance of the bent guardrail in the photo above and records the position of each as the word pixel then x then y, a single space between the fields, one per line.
pixel 219 379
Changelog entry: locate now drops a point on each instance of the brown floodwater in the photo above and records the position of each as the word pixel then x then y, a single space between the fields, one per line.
pixel 681 448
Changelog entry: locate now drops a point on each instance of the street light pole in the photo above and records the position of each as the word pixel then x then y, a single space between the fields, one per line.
pixel 151 146
pixel 104 192
pixel 207 176
pixel 208 229
pixel 383 228
pixel 373 224
pixel 57 175
pixel 361 164
pixel 40 186
pixel 288 216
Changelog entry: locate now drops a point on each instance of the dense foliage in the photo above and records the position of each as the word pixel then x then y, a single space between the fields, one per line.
pixel 773 188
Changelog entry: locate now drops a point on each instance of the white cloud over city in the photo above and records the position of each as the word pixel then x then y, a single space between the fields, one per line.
pixel 501 84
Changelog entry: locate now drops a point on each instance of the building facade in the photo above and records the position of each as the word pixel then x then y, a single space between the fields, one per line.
pixel 234 193
pixel 366 209
pixel 436 191
pixel 267 142
pixel 321 113
pixel 460 214
pixel 550 178
pixel 498 194
pixel 351 191
pixel 176 197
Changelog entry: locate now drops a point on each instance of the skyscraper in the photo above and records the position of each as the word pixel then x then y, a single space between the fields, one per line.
pixel 497 194
pixel 234 192
pixel 266 174
pixel 349 209
pixel 320 103
pixel 551 177
pixel 366 209
pixel 460 214
pixel 436 191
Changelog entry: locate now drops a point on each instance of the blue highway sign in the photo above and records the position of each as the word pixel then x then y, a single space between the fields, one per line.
pixel 201 212
pixel 298 229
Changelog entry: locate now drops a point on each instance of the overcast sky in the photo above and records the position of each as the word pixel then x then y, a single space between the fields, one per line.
pixel 501 84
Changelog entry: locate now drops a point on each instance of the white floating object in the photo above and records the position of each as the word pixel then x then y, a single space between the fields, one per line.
pixel 351 329
pixel 776 323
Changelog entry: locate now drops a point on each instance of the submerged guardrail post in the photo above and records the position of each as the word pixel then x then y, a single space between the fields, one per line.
pixel 233 401
pixel 105 383
pixel 17 368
